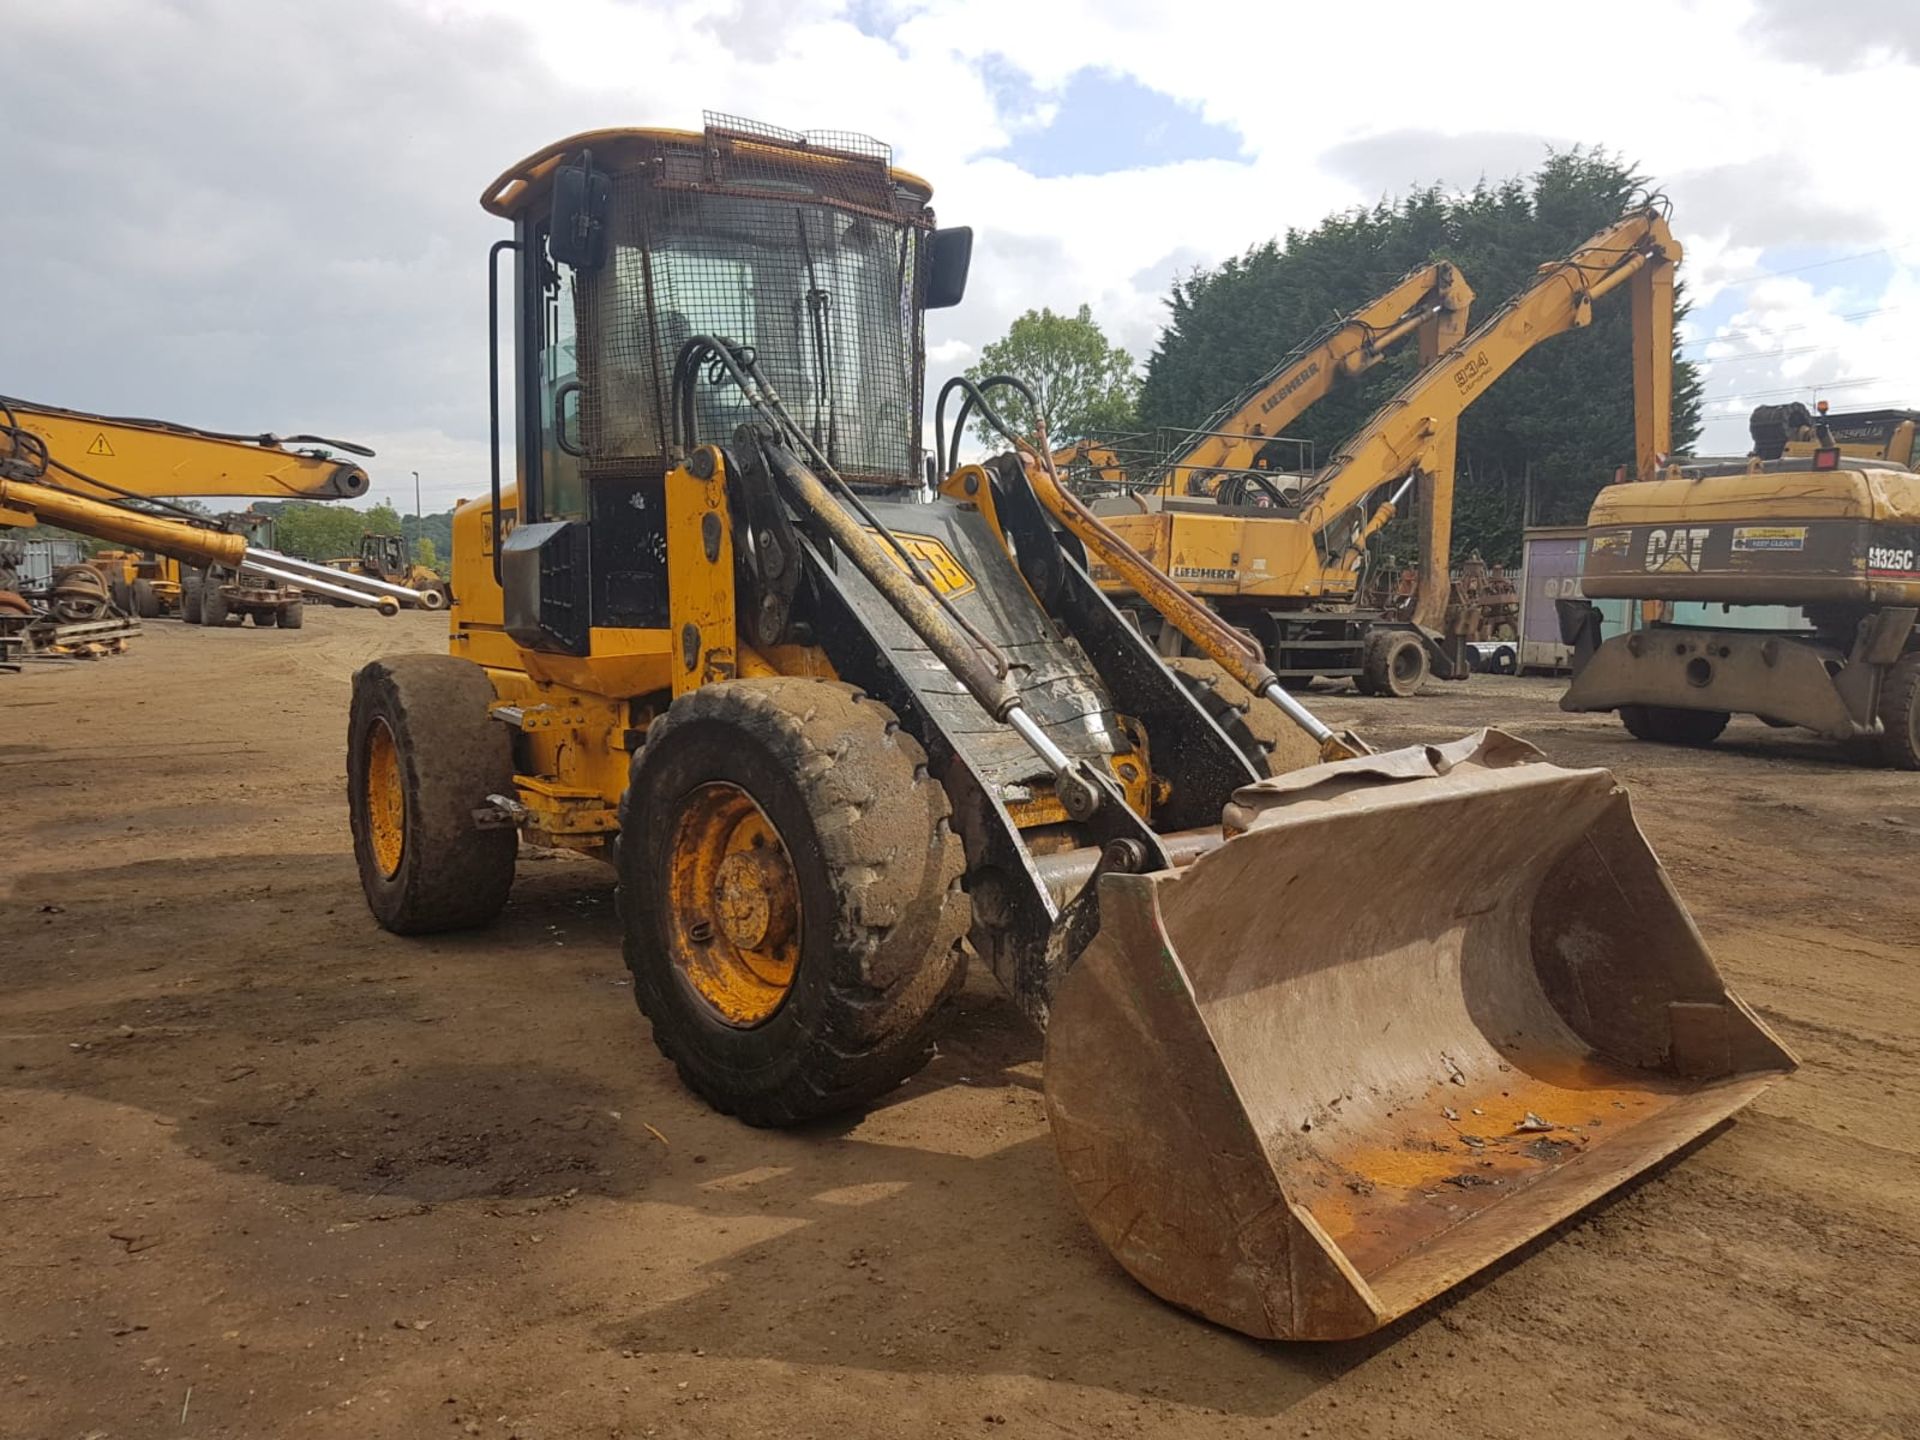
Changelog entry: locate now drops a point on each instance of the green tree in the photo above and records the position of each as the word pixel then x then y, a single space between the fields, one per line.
pixel 315 530
pixel 426 554
pixel 1559 421
pixel 1084 384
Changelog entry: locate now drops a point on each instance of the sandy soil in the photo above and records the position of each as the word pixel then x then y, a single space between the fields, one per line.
pixel 266 1170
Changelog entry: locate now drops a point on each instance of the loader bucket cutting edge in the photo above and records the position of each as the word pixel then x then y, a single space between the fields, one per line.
pixel 1422 1007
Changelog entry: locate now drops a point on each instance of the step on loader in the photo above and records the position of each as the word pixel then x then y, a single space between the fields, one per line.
pixel 840 723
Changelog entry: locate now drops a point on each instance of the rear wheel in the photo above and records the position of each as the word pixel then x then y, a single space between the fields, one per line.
pixel 213 602
pixel 1669 725
pixel 293 615
pixel 1900 713
pixel 121 594
pixel 1272 743
pixel 146 600
pixel 1392 662
pixel 423 755
pixel 789 884
pixel 190 598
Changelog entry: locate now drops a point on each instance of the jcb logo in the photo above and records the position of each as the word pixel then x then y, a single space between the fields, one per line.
pixel 936 562
pixel 1675 549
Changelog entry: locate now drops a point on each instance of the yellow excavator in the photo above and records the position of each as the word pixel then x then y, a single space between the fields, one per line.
pixel 1290 569
pixel 1309 1061
pixel 39 488
pixel 115 458
pixel 1824 517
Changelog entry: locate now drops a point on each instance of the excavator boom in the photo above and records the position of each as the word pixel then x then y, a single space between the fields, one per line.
pixel 105 456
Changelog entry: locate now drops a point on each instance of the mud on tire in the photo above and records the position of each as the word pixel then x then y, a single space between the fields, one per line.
pixel 1900 714
pixel 1392 662
pixel 876 870
pixel 449 873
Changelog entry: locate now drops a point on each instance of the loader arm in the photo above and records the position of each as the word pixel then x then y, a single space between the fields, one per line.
pixel 1431 302
pixel 103 456
pixel 1416 431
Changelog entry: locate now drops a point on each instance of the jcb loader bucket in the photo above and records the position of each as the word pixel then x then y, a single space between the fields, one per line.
pixel 1419 1008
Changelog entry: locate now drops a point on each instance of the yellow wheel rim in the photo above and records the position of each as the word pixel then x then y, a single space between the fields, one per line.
pixel 386 800
pixel 733 905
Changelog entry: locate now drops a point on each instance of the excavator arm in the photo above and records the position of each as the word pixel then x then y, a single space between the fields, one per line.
pixel 1431 302
pixel 104 456
pixel 1415 432
pixel 192 543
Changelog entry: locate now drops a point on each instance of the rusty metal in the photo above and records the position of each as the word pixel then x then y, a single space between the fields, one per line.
pixel 1342 1098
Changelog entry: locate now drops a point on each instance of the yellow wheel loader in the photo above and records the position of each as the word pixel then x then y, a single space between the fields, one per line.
pixel 1309 1062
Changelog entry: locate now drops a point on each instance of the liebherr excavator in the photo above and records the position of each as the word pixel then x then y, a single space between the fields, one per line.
pixel 835 734
pixel 1290 574
pixel 1237 445
pixel 115 459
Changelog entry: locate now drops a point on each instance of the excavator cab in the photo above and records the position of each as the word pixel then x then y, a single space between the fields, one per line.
pixel 838 734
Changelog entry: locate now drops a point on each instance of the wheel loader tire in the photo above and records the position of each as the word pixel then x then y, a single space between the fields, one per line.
pixel 146 600
pixel 422 756
pixel 213 602
pixel 121 595
pixel 1668 725
pixel 190 599
pixel 1393 663
pixel 1272 743
pixel 1900 713
pixel 801 974
pixel 293 616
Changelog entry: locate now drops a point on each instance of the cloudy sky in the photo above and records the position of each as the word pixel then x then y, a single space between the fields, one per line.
pixel 252 214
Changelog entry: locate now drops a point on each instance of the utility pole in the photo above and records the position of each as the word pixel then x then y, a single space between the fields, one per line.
pixel 415 556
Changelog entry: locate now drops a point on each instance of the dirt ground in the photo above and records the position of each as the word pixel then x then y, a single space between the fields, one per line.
pixel 266 1170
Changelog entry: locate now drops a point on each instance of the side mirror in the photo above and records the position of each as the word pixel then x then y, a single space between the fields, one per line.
pixel 948 253
pixel 577 235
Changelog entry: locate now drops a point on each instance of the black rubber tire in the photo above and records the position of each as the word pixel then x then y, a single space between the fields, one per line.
pixel 1900 713
pixel 190 584
pixel 1271 742
pixel 146 600
pixel 1669 725
pixel 452 874
pixel 293 615
pixel 878 870
pixel 120 594
pixel 213 602
pixel 1392 663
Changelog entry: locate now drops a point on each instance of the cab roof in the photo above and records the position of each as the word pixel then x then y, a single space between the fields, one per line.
pixel 521 186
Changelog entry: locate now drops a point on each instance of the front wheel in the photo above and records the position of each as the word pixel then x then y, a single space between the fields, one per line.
pixel 213 602
pixel 293 615
pixel 1392 662
pixel 423 755
pixel 1272 743
pixel 190 598
pixel 789 883
pixel 1670 725
pixel 1900 714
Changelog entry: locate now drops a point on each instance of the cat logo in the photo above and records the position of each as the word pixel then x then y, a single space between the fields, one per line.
pixel 1671 550
pixel 936 562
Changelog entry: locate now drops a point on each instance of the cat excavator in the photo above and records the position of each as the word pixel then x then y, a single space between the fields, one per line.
pixel 115 458
pixel 1289 569
pixel 837 732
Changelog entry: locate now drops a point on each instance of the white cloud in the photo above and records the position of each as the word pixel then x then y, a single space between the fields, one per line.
pixel 296 245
